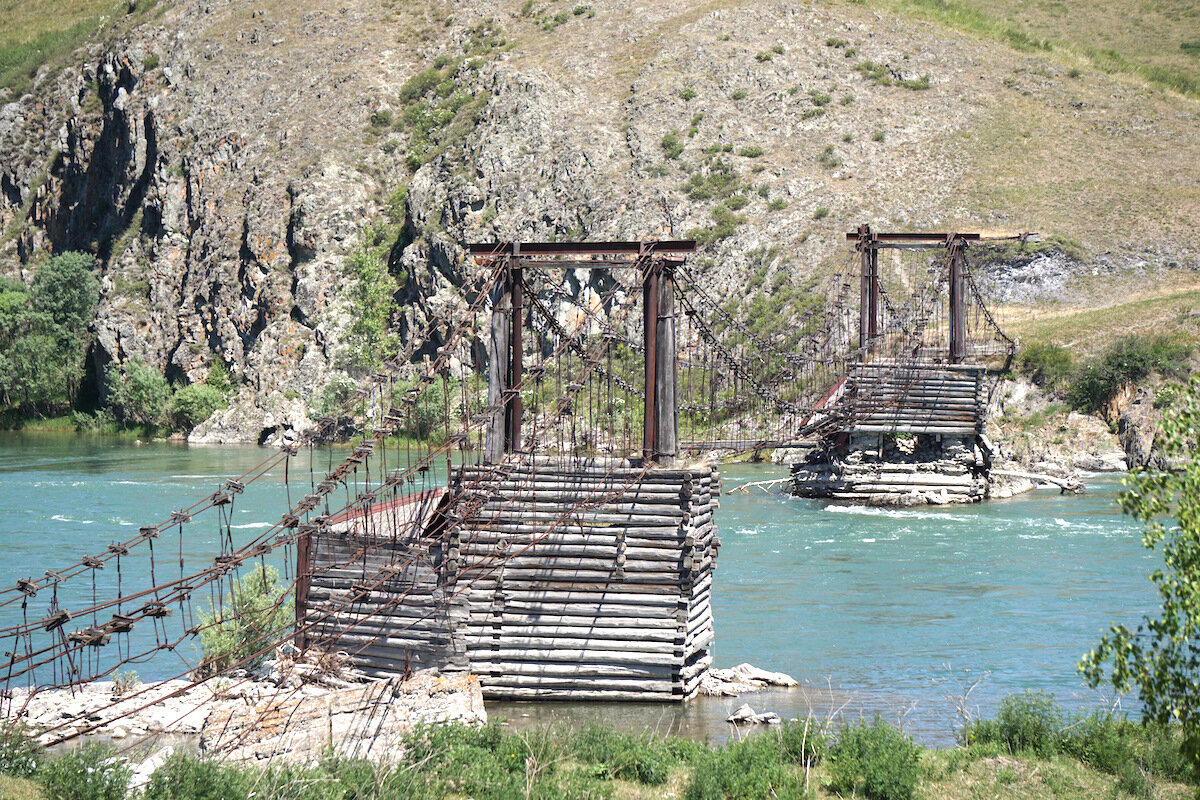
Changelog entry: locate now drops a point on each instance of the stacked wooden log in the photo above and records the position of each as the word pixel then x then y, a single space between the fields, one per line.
pixel 587 580
pixel 889 397
pixel 378 590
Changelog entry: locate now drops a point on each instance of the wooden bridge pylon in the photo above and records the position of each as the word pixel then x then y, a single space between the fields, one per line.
pixel 657 261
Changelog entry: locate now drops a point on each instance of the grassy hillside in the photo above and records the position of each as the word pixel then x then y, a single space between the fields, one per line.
pixel 617 119
pixel 45 31
pixel 1158 42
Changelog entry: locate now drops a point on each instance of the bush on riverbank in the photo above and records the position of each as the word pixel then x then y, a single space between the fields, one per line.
pixel 1090 385
pixel 252 616
pixel 882 762
pixel 1138 755
pixel 43 335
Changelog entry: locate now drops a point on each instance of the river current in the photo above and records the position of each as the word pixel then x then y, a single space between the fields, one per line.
pixel 915 614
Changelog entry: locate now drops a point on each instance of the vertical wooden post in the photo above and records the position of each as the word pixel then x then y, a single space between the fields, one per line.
pixel 958 305
pixel 513 410
pixel 864 288
pixel 650 340
pixel 303 580
pixel 876 322
pixel 666 424
pixel 498 353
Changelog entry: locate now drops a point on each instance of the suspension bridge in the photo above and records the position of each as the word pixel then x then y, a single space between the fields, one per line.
pixel 526 493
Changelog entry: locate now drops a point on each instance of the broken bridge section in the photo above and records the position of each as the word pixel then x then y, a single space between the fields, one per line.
pixel 906 423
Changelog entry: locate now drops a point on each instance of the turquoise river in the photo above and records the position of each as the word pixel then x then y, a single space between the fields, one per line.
pixel 913 614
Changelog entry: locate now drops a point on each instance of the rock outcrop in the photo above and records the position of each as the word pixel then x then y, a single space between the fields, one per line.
pixel 247 720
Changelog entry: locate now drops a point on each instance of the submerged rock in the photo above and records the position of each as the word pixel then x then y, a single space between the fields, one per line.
pixel 745 715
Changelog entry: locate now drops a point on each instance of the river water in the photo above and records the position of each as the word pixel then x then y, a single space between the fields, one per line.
pixel 897 612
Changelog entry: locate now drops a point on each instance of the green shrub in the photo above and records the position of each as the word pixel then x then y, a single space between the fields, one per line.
pixel 777 204
pixel 803 741
pixel 1128 360
pixel 878 136
pixel 739 94
pixel 420 83
pixel 1026 722
pixel 137 393
pixel 91 772
pixel 150 62
pixel 878 760
pixel 819 98
pixel 725 224
pixel 687 94
pixel 737 202
pixel 1045 364
pixel 762 56
pixel 821 213
pixel 333 396
pixel 455 760
pixel 254 615
pixel 671 145
pixel 1100 740
pixel 747 770
pixel 721 180
pixel 218 377
pixel 191 405
pixel 829 158
pixel 20 754
pixel 645 758
pixel 1136 753
pixel 754 151
pixel 185 777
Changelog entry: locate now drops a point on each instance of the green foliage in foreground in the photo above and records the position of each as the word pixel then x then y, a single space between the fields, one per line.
pixel 1161 657
pixel 93 772
pixel 20 755
pixel 759 767
pixel 254 614
pixel 1138 755
pixel 876 759
pixel 797 759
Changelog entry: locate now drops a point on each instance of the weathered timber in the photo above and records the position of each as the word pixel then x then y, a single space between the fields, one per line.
pixel 613 558
pixel 552 578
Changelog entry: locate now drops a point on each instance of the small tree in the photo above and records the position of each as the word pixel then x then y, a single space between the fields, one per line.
pixel 254 615
pixel 370 336
pixel 137 393
pixel 191 405
pixel 65 288
pixel 1161 658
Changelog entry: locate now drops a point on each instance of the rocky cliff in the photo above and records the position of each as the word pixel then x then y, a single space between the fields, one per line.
pixel 223 158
